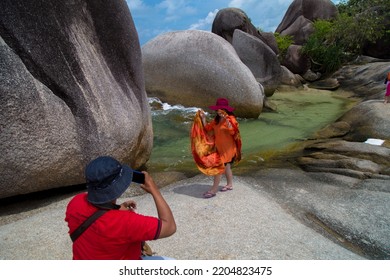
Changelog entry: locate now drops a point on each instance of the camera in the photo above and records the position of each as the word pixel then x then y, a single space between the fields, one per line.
pixel 138 177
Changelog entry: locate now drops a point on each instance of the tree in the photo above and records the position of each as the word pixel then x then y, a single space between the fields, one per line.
pixel 359 22
pixel 326 54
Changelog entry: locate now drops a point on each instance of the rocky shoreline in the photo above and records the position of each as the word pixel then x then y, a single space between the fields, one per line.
pixel 337 209
pixel 277 214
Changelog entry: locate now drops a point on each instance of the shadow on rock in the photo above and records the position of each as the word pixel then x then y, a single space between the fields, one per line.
pixel 196 190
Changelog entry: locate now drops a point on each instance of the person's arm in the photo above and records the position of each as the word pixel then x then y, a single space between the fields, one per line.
pixel 227 121
pixel 168 224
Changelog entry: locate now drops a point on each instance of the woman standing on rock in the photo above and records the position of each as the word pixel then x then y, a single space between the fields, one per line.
pixel 225 136
pixel 387 94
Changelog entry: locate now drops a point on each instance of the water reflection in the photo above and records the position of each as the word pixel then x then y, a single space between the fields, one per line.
pixel 298 115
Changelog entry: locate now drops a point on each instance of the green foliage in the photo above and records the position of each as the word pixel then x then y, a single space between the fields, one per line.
pixel 359 22
pixel 324 52
pixel 353 7
pixel 283 43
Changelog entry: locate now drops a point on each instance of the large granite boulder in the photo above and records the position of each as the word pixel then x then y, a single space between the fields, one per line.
pixel 194 68
pixel 295 61
pixel 71 89
pixel 300 30
pixel 358 143
pixel 369 119
pixel 300 12
pixel 260 59
pixel 298 23
pixel 365 77
pixel 227 20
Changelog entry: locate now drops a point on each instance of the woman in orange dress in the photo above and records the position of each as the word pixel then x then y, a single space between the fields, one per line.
pixel 227 139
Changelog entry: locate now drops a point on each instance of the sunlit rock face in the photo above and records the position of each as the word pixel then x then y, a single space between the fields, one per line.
pixel 71 89
pixel 194 68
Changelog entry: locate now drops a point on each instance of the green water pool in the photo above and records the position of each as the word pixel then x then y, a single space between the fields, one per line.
pixel 297 116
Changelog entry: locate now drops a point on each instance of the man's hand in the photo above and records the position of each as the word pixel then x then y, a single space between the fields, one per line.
pixel 128 205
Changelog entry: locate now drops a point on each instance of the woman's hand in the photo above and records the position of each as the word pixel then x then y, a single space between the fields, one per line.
pixel 222 113
pixel 225 116
pixel 202 116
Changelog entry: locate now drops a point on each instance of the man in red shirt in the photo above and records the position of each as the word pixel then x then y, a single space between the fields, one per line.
pixel 119 233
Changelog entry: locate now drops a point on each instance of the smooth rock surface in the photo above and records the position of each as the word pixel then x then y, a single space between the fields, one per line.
pixel 264 217
pixel 194 68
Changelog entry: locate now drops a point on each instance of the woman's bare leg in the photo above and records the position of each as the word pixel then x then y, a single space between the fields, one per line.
pixel 229 176
pixel 217 180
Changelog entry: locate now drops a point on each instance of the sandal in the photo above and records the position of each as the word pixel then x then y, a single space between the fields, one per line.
pixel 226 188
pixel 209 194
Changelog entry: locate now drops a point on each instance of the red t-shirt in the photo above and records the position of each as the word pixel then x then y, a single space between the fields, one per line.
pixel 117 235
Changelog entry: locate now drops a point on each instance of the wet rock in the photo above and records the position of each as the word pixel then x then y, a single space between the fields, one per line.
pixel 324 161
pixel 290 80
pixel 360 160
pixel 333 130
pixel 326 84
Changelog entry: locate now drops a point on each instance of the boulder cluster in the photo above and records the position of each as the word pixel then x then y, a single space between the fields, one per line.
pixel 75 82
pixel 193 68
pixel 358 143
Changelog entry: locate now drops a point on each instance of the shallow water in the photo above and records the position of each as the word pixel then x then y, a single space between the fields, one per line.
pixel 298 115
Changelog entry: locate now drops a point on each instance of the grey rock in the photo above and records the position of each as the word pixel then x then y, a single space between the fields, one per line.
pixel 364 77
pixel 336 129
pixel 310 76
pixel 248 223
pixel 299 30
pixel 260 59
pixel 194 68
pixel 228 20
pixel 369 119
pixel 324 160
pixel 326 84
pixel 290 80
pixel 295 61
pixel 71 89
pixel 360 160
pixel 310 10
pixel 298 23
pixel 340 207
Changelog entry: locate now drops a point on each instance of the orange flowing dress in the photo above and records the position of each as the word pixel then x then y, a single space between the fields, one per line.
pixel 215 144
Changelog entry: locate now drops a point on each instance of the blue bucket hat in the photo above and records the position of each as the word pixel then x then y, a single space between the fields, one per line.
pixel 107 179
